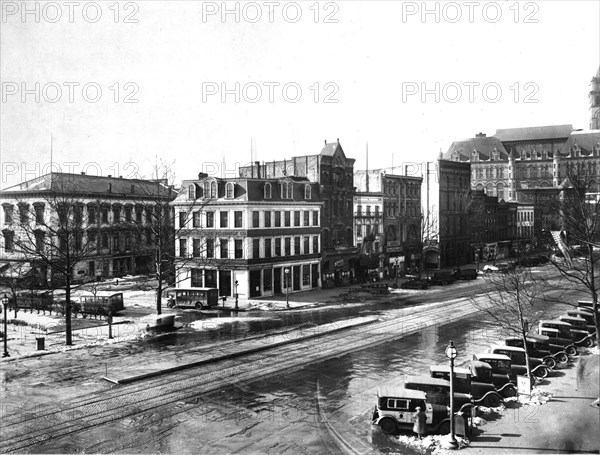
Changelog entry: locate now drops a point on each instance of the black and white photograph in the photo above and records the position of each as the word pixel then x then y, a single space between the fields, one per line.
pixel 300 227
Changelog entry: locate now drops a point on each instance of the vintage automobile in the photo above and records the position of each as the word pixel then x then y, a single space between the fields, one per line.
pixel 578 322
pixel 396 408
pixel 465 274
pixel 539 350
pixel 482 392
pixel 556 338
pixel 442 278
pixel 376 288
pixel 517 361
pixel 501 368
pixel 415 283
pixel 436 390
pixel 578 337
pixel 584 313
pixel 481 372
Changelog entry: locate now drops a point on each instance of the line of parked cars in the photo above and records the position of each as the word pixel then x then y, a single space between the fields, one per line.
pixel 442 278
pixel 487 379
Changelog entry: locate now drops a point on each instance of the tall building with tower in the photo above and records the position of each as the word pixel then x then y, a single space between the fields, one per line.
pixel 595 102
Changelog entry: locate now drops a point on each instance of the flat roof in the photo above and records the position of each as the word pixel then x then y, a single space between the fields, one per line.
pixel 400 392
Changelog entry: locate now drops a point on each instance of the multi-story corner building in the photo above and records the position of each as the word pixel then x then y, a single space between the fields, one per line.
pixel 248 236
pixel 334 172
pixel 454 205
pixel 110 218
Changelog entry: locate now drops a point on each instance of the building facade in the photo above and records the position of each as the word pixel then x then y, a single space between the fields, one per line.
pixel 594 96
pixel 110 220
pixel 249 237
pixel 334 172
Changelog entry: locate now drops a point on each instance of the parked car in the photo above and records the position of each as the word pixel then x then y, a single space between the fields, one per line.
pixel 578 322
pixel 517 361
pixel 539 350
pixel 415 283
pixel 437 391
pixel 555 338
pixel 578 336
pixel 376 288
pixel 489 268
pixel 465 274
pixel 501 369
pixel 482 392
pixel 397 406
pixel 481 372
pixel 443 278
pixel 545 343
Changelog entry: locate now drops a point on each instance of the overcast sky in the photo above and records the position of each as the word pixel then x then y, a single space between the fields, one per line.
pixel 362 68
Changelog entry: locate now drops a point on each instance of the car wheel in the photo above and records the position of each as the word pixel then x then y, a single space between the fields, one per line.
pixel 550 362
pixel 444 427
pixel 198 305
pixel 562 357
pixel 510 391
pixel 492 401
pixel 540 372
pixel 388 426
pixel 571 350
pixel 588 343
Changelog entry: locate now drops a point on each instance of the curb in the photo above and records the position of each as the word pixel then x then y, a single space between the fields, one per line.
pixel 228 356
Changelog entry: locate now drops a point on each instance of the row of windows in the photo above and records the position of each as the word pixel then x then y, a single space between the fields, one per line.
pixel 367 210
pixel 210 190
pixel 401 189
pixel 369 229
pixel 261 247
pixel 260 218
pixel 394 210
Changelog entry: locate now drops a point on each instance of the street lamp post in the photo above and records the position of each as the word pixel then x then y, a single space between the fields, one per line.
pixel 287 287
pixel 4 308
pixel 397 269
pixel 236 294
pixel 451 354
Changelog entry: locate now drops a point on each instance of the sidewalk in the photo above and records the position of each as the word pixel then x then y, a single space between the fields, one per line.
pixel 568 423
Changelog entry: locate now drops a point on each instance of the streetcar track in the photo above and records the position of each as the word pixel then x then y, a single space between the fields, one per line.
pixel 119 403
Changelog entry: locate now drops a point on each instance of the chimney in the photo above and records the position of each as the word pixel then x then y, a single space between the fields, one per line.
pixel 338 140
pixel 109 175
pixel 325 141
pixel 480 134
pixel 257 163
pixel 202 175
pixel 120 176
pixel 82 173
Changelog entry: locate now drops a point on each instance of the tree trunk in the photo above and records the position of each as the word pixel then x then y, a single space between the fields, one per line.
pixel 594 293
pixel 159 295
pixel 69 336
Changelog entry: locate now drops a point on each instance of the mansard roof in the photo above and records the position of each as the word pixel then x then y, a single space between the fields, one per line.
pixel 585 140
pixel 534 133
pixel 484 146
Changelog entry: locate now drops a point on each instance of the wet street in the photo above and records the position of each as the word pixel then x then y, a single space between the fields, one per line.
pixel 318 407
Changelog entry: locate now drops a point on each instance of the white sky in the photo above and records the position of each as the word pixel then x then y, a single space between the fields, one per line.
pixel 370 54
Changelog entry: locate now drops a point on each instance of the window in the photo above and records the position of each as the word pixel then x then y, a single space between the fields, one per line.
pixel 210 278
pixel 210 219
pixel 307 192
pixel 116 244
pixel 306 245
pixel 267 248
pixel 148 216
pixel 267 219
pixel 182 219
pixel 296 245
pixel 206 190
pixel 8 214
pixel 196 248
pixel 128 214
pixel 138 215
pixel 229 190
pixel 224 248
pixel 256 219
pixel 196 275
pixel 210 248
pixel 255 248
pixel 63 214
pixel 288 246
pixel 91 235
pixel 128 241
pixel 237 219
pixel 278 247
pixel 306 218
pixel 277 219
pixel 116 214
pixel 23 213
pixel 224 216
pixel 192 192
pixel 315 218
pixel 296 218
pixel 306 275
pixel 359 230
pixel 315 244
pixel 105 240
pixel 213 190
pixel 148 237
pixel 39 214
pixel 267 190
pixel 287 216
pixel 376 210
pixel 368 210
pixel 9 244
pixel 196 219
pixel 239 248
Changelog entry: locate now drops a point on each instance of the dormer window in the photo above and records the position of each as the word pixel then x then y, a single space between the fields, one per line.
pixel 192 192
pixel 206 189
pixel 307 192
pixel 474 156
pixel 287 190
pixel 268 190
pixel 229 190
pixel 213 190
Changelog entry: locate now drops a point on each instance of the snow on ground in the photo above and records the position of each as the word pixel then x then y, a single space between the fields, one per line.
pixel 435 444
pixel 39 321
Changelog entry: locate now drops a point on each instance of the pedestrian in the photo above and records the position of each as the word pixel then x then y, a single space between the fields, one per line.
pixel 419 419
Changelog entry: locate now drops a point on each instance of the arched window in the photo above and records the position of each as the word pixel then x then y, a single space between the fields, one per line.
pixel 489 190
pixel 500 191
pixel 213 189
pixel 267 190
pixel 307 192
pixel 192 191
pixel 290 190
pixel 229 190
pixel 207 189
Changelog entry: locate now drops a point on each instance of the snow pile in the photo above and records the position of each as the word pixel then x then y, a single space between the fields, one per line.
pixel 435 444
pixel 486 412
pixel 537 398
pixel 213 323
pixel 595 350
pixel 38 321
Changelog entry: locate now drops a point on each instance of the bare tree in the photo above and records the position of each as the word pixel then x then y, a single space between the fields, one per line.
pixel 51 233
pixel 510 303
pixel 579 218
pixel 16 278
